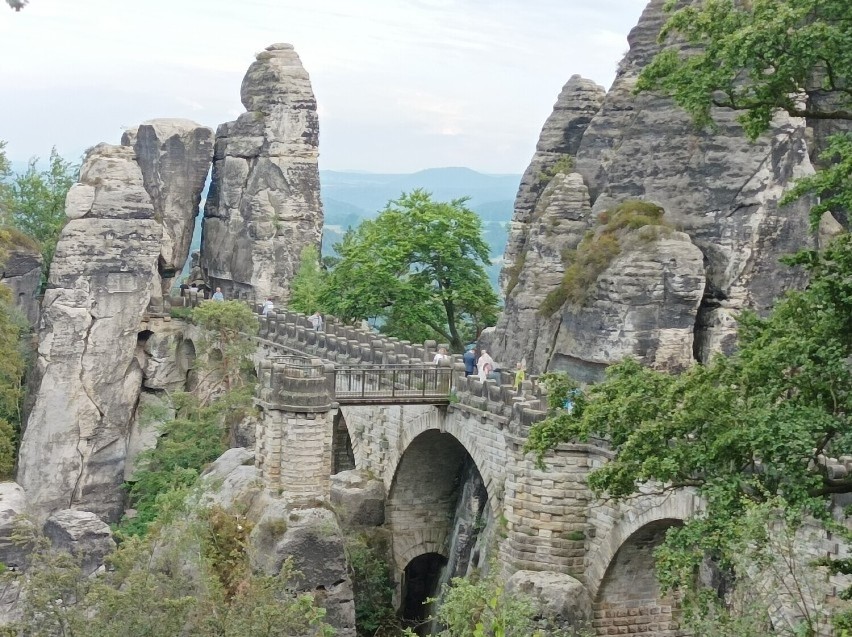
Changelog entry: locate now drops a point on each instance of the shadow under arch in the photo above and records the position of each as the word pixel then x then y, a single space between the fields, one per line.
pixel 423 494
pixel 629 596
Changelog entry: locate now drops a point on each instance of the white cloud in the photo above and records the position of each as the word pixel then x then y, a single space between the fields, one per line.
pixel 401 84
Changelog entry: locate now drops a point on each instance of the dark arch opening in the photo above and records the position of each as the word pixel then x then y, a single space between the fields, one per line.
pixel 630 591
pixel 143 336
pixel 419 582
pixel 342 453
pixel 438 503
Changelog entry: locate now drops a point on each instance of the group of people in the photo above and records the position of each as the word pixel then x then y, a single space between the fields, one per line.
pixel 481 366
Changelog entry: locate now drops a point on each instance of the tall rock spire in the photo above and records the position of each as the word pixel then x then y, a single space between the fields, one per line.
pixel 264 204
pixel 672 295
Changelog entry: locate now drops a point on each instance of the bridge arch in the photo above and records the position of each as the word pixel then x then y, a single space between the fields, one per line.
pixel 631 516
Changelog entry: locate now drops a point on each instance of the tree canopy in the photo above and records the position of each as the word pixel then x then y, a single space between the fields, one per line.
pixel 418 268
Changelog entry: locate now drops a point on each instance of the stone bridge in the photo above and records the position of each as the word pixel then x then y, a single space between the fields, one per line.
pixel 543 520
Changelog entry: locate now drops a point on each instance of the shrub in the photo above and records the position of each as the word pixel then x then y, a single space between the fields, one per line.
pixel 373 587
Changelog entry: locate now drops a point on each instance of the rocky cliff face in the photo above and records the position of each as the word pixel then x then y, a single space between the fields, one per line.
pixel 264 205
pixel 103 278
pixel 22 275
pixel 174 156
pixel 672 300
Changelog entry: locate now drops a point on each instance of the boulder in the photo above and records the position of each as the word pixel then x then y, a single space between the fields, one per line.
pixel 357 499
pixel 312 538
pixel 81 533
pixel 562 600
pixel 232 482
pixel 264 204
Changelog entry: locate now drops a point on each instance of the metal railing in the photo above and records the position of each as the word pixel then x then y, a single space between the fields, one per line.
pixel 389 382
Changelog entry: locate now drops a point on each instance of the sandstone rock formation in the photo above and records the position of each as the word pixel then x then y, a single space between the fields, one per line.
pixel 561 598
pixel 312 538
pixel 22 275
pixel 264 204
pixel 13 509
pixel 82 534
pixel 358 500
pixel 106 271
pixel 717 187
pixel 174 156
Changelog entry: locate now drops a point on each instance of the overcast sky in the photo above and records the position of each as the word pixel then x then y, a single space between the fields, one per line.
pixel 401 84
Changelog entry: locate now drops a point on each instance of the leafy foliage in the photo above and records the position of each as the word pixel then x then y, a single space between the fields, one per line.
pixel 167 583
pixel 13 366
pixel 38 202
pixel 224 352
pixel 373 586
pixel 758 57
pixel 419 269
pixel 747 430
pixel 483 608
pixel 308 284
pixel 195 438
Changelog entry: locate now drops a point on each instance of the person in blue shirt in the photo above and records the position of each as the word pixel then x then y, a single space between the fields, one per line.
pixel 469 359
pixel 218 296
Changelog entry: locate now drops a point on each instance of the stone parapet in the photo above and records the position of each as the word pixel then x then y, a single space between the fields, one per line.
pixel 287 331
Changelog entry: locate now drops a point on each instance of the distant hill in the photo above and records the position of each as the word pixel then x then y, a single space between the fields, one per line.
pixel 370 192
pixel 350 197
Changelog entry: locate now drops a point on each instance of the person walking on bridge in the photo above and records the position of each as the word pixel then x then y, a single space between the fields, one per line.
pixel 469 359
pixel 485 365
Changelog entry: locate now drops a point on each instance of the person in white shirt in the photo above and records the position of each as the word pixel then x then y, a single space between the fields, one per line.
pixel 267 307
pixel 485 364
pixel 316 321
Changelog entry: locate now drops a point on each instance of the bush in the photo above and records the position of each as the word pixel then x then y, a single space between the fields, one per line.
pixel 373 586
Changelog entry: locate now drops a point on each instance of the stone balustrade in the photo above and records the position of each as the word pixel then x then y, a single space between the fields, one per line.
pixel 355 346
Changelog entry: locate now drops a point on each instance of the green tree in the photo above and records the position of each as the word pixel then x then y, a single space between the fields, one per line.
pixel 419 269
pixel 758 57
pixel 38 202
pixel 17 5
pixel 308 285
pixel 747 430
pixel 225 350
pixel 5 187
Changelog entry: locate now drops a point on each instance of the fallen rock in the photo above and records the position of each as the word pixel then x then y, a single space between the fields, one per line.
pixel 81 533
pixel 312 538
pixel 562 599
pixel 357 499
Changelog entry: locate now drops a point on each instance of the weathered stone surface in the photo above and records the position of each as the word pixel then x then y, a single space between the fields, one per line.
pixel 560 598
pixel 357 499
pixel 101 280
pixel 13 505
pixel 720 189
pixel 560 137
pixel 81 533
pixel 153 410
pixel 22 275
pixel 233 483
pixel 174 156
pixel 166 356
pixel 312 538
pixel 264 203
pixel 560 219
pixel 644 306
